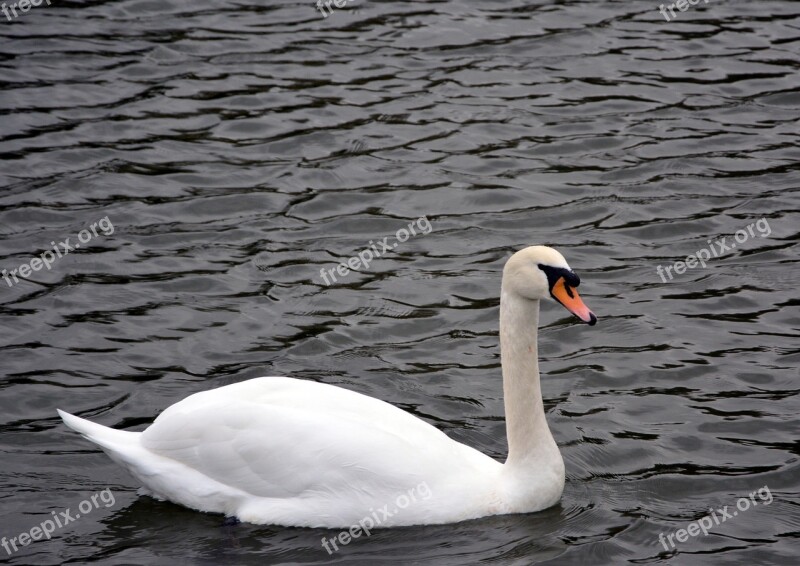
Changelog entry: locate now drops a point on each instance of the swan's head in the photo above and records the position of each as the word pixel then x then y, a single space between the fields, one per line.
pixel 538 271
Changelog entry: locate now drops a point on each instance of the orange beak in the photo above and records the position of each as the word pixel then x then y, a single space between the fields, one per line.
pixel 569 298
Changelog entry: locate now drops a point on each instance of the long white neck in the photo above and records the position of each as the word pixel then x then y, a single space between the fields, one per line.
pixel 529 438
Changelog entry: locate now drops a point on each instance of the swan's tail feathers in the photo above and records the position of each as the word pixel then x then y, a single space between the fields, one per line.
pixel 110 440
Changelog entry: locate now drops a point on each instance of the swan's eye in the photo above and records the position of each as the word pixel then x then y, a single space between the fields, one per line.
pixel 572 278
pixel 555 273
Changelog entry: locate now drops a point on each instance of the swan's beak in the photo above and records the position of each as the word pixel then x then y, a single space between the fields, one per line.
pixel 569 298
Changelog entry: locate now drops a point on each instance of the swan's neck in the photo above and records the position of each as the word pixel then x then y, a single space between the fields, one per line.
pixel 530 443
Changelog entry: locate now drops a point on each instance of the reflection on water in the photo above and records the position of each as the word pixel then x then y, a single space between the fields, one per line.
pixel 238 150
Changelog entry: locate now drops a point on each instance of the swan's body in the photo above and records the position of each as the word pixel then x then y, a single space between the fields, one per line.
pixel 291 452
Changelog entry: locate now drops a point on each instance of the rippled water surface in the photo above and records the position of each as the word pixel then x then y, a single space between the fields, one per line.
pixel 239 148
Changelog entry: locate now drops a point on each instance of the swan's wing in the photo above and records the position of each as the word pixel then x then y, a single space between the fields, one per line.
pixel 282 437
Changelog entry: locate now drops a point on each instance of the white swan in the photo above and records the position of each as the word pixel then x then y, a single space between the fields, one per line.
pixel 290 452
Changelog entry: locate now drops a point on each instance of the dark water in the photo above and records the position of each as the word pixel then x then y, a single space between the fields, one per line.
pixel 238 148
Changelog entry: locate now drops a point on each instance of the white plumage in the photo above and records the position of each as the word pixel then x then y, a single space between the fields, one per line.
pixel 285 451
